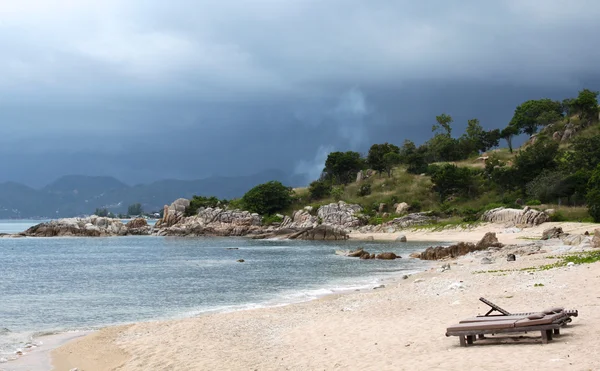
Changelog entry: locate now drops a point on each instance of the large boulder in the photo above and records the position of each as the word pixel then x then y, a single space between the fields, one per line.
pixel 341 215
pixel 525 217
pixel 554 232
pixel 321 232
pixel 173 214
pixel 461 248
pixel 93 226
pixel 387 256
pixel 138 227
pixel 488 240
pixel 596 239
pixel 300 219
pixel 213 222
pixel 402 208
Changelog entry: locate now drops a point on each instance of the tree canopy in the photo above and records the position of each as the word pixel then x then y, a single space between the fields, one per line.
pixel 267 198
pixel 342 167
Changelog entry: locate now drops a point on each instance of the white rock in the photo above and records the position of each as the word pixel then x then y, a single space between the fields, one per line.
pixel 570 264
pixel 419 280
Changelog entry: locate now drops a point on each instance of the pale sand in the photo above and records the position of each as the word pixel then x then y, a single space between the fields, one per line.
pixel 505 235
pixel 400 327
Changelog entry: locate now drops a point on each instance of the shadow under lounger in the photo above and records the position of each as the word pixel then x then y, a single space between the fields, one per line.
pixel 546 324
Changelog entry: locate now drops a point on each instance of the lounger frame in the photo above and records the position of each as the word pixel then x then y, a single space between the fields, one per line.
pixel 468 337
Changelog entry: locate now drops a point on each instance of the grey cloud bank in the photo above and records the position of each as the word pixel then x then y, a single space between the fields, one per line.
pixel 144 90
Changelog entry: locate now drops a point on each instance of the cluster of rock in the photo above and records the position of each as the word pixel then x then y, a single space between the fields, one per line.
pixel 208 222
pixel 365 255
pixel 526 216
pixel 461 248
pixel 320 232
pixel 572 239
pixel 403 222
pixel 93 226
pixel 339 214
pixel 173 213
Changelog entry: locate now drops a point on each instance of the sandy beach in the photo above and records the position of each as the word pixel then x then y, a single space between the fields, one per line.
pixel 398 327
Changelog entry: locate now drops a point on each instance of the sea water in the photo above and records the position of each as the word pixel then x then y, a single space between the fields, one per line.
pixel 50 285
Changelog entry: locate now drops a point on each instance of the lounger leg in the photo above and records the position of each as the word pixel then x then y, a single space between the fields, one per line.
pixel 470 339
pixel 481 336
pixel 549 334
pixel 461 338
pixel 556 331
pixel 544 337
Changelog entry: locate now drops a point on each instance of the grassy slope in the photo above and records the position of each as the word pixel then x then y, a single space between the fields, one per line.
pixel 416 190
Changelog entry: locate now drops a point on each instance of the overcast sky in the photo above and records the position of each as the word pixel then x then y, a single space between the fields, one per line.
pixel 151 89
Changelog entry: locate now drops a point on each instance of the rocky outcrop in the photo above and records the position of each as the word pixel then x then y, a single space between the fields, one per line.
pixel 401 208
pixel 321 233
pixel 93 226
pixel 461 248
pixel 212 222
pixel 525 217
pixel 554 232
pixel 300 219
pixel 173 214
pixel 138 227
pixel 341 214
pixel 596 239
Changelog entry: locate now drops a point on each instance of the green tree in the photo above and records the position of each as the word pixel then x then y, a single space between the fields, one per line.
pixel 343 166
pixel 268 198
pixel 101 212
pixel 377 160
pixel 532 161
pixel 527 115
pixel 319 189
pixel 584 153
pixel 135 209
pixel 391 160
pixel 586 105
pixel 508 133
pixel 415 158
pixel 593 195
pixel 450 179
pixel 443 124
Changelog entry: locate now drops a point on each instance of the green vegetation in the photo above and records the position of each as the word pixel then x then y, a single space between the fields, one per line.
pixel 267 198
pixel 200 201
pixel 538 285
pixel 458 177
pixel 101 212
pixel 271 219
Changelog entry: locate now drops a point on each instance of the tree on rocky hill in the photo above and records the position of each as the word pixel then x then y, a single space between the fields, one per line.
pixel 377 159
pixel 532 113
pixel 342 167
pixel 267 198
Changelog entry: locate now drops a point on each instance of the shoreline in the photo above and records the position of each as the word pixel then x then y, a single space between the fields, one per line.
pixel 40 358
pixel 347 330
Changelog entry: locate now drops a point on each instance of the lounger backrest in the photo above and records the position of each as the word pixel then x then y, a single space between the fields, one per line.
pixel 494 307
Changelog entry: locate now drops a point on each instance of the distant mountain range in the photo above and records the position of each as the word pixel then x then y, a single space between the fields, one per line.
pixel 74 195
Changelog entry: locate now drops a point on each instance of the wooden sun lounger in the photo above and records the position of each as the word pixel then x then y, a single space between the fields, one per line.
pixel 546 324
pixel 504 312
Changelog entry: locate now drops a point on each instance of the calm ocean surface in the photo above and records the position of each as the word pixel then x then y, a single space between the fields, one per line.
pixel 61 284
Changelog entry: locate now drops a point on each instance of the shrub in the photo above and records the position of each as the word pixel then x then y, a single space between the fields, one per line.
pixel 200 201
pixel 337 193
pixel 364 190
pixel 319 189
pixel 268 198
pixel 270 219
pixel 533 203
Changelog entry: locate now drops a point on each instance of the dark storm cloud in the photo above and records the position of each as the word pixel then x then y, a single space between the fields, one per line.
pixel 151 89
